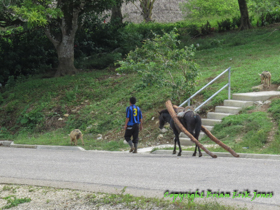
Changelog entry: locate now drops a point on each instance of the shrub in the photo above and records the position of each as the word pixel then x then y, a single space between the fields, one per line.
pixel 269 18
pixel 224 25
pixel 1 99
pixel 25 54
pixel 236 22
pixel 32 118
pixel 157 62
pixel 206 29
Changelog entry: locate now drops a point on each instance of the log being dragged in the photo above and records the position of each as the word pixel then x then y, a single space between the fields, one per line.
pixel 217 141
pixel 172 113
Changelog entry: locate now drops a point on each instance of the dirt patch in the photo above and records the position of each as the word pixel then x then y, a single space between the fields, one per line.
pixel 263 107
pixel 271 88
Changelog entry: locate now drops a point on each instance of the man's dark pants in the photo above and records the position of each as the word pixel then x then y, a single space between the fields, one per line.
pixel 132 131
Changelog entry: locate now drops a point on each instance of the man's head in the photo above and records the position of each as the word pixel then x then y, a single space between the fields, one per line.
pixel 132 100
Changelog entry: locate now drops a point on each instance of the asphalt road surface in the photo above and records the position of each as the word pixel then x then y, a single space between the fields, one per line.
pixel 143 174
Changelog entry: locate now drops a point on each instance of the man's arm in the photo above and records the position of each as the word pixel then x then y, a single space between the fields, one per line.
pixel 126 121
pixel 141 125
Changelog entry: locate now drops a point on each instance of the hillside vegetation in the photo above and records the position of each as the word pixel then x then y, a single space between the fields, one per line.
pixel 96 100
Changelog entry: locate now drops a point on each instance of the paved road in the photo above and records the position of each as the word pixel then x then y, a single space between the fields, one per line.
pixel 143 174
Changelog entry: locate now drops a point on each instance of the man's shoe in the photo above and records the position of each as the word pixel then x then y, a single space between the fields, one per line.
pixel 131 150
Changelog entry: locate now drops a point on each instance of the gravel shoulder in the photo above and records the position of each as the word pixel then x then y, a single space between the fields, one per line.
pixel 25 197
pixel 51 198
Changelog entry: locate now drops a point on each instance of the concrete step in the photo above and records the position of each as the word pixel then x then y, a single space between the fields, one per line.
pixel 210 122
pixel 186 141
pixel 216 115
pixel 208 127
pixel 228 109
pixel 238 103
pixel 182 135
pixel 255 96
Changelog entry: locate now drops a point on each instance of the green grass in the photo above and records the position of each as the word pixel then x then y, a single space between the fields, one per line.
pixel 58 137
pixel 133 202
pixel 241 131
pixel 30 110
pixel 13 201
pixel 118 200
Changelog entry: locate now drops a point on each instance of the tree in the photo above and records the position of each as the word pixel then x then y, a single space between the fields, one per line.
pixel 161 62
pixel 146 9
pixel 245 21
pixel 60 20
pixel 116 15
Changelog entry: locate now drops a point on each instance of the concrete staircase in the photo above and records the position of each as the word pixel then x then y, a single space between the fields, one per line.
pixel 231 107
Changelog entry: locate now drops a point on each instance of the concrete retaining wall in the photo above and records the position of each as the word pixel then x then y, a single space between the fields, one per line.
pixel 163 11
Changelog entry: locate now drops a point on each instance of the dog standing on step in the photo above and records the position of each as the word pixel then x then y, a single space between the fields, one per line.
pixel 265 78
pixel 75 135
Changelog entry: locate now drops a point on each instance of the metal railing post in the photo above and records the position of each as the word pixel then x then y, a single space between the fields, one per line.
pixel 213 80
pixel 229 83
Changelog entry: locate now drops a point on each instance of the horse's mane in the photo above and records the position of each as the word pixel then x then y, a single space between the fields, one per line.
pixel 163 111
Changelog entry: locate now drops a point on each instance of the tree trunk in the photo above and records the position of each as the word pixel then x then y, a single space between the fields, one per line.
pixel 245 21
pixel 64 44
pixel 147 7
pixel 65 53
pixel 116 16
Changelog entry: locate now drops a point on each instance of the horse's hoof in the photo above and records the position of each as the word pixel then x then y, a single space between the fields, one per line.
pixel 174 152
pixel 194 154
pixel 200 155
pixel 179 154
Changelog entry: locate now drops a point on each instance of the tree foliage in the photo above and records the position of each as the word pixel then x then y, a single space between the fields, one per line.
pixel 36 14
pixel 259 7
pixel 161 62
pixel 61 20
pixel 198 9
pixel 204 8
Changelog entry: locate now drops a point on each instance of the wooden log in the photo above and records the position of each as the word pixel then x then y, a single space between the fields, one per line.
pixel 172 113
pixel 217 141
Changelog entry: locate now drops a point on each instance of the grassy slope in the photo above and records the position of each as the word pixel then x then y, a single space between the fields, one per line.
pixel 96 100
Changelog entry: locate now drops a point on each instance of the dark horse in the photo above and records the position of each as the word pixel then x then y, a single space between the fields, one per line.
pixel 191 121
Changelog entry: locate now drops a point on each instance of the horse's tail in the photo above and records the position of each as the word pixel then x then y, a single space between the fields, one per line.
pixel 197 125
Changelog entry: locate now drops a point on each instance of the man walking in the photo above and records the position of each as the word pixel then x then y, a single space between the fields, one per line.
pixel 133 123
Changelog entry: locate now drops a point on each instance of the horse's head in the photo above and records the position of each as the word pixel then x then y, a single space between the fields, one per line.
pixel 164 117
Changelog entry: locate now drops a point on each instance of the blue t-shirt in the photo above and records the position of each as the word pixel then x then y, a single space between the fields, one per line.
pixel 134 114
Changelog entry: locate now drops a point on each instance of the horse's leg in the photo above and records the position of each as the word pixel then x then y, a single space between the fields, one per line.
pixel 194 154
pixel 172 125
pixel 174 150
pixel 196 135
pixel 199 152
pixel 180 149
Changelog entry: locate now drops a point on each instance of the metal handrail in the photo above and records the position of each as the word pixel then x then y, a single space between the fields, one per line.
pixel 227 85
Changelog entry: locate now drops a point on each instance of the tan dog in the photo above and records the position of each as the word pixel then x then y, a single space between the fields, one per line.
pixel 75 135
pixel 265 78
